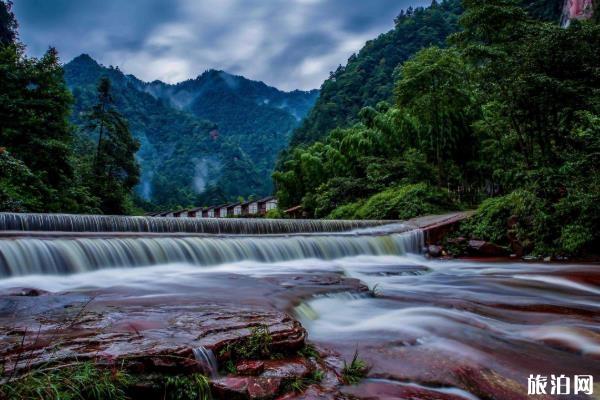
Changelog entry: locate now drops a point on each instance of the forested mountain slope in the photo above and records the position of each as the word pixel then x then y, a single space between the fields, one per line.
pixel 504 116
pixel 367 78
pixel 206 140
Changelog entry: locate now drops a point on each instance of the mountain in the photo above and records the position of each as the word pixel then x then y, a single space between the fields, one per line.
pixel 210 139
pixel 368 76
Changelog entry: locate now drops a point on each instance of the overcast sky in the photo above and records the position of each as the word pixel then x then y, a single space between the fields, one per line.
pixel 290 44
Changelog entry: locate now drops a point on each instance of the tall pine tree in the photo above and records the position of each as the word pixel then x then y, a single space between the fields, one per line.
pixel 114 167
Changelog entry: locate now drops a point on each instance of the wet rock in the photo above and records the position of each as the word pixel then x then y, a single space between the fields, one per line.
pixel 296 367
pixel 28 292
pixel 383 389
pixel 313 392
pixel 157 337
pixel 248 387
pixel 250 367
pixel 486 249
pixel 434 250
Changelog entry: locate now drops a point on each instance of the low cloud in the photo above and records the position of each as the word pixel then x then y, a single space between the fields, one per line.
pixel 289 44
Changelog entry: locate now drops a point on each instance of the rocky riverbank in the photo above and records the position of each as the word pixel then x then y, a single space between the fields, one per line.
pixel 237 334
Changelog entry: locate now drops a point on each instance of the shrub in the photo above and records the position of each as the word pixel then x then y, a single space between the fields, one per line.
pixel 405 202
pixel 275 213
pixel 347 211
pixel 491 221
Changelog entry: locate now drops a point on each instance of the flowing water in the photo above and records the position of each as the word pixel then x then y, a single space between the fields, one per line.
pixel 110 223
pixel 461 329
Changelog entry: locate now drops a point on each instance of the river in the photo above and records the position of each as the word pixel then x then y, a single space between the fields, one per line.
pixel 441 329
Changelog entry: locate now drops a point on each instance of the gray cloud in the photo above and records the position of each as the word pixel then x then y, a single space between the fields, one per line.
pixel 287 43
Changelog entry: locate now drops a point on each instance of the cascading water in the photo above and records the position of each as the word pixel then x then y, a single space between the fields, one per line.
pixel 110 223
pixel 207 359
pixel 24 256
pixel 452 329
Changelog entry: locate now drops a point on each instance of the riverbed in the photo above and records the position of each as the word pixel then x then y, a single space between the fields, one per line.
pixel 429 329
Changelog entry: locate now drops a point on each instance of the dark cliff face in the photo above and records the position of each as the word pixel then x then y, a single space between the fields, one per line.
pixel 577 10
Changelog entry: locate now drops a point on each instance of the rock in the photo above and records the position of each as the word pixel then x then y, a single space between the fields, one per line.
pixel 28 292
pixel 248 387
pixel 148 338
pixel 486 249
pixel 547 259
pixel 250 367
pixel 434 250
pixel 296 367
pixel 383 389
pixel 313 392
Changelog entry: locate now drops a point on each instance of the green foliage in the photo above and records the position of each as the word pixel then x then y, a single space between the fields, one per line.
pixel 79 381
pixel 300 384
pixel 114 170
pixel 8 23
pixel 308 351
pixel 434 89
pixel 255 346
pixel 509 111
pixel 275 213
pixel 20 189
pixel 193 387
pixel 34 109
pixel 354 372
pixel 346 211
pixel 516 215
pixel 366 78
pixel 405 202
pixel 210 150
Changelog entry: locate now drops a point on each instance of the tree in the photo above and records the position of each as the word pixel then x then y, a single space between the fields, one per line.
pixel 114 167
pixel 8 23
pixel 435 90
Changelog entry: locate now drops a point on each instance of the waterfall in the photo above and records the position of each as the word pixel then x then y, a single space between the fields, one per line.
pixel 109 223
pixel 207 359
pixel 24 256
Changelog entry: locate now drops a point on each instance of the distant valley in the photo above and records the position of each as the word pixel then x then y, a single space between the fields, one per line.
pixel 203 141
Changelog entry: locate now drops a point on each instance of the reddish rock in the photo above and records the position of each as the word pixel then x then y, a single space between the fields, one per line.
pixel 247 387
pixel 250 367
pixel 389 390
pixel 313 392
pixel 296 367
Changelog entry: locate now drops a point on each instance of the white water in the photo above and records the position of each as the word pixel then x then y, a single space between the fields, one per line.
pixel 429 316
pixel 25 256
pixel 114 223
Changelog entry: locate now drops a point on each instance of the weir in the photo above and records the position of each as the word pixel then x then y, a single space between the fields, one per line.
pixel 25 256
pixel 111 223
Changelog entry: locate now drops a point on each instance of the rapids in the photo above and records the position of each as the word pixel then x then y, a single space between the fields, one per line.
pixel 459 329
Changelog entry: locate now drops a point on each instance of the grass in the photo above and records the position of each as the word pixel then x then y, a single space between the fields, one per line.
pixel 309 351
pixel 254 347
pixel 194 387
pixel 354 372
pixel 86 381
pixel 299 384
pixel 66 382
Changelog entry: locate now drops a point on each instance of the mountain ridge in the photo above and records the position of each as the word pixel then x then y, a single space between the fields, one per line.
pixel 232 140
